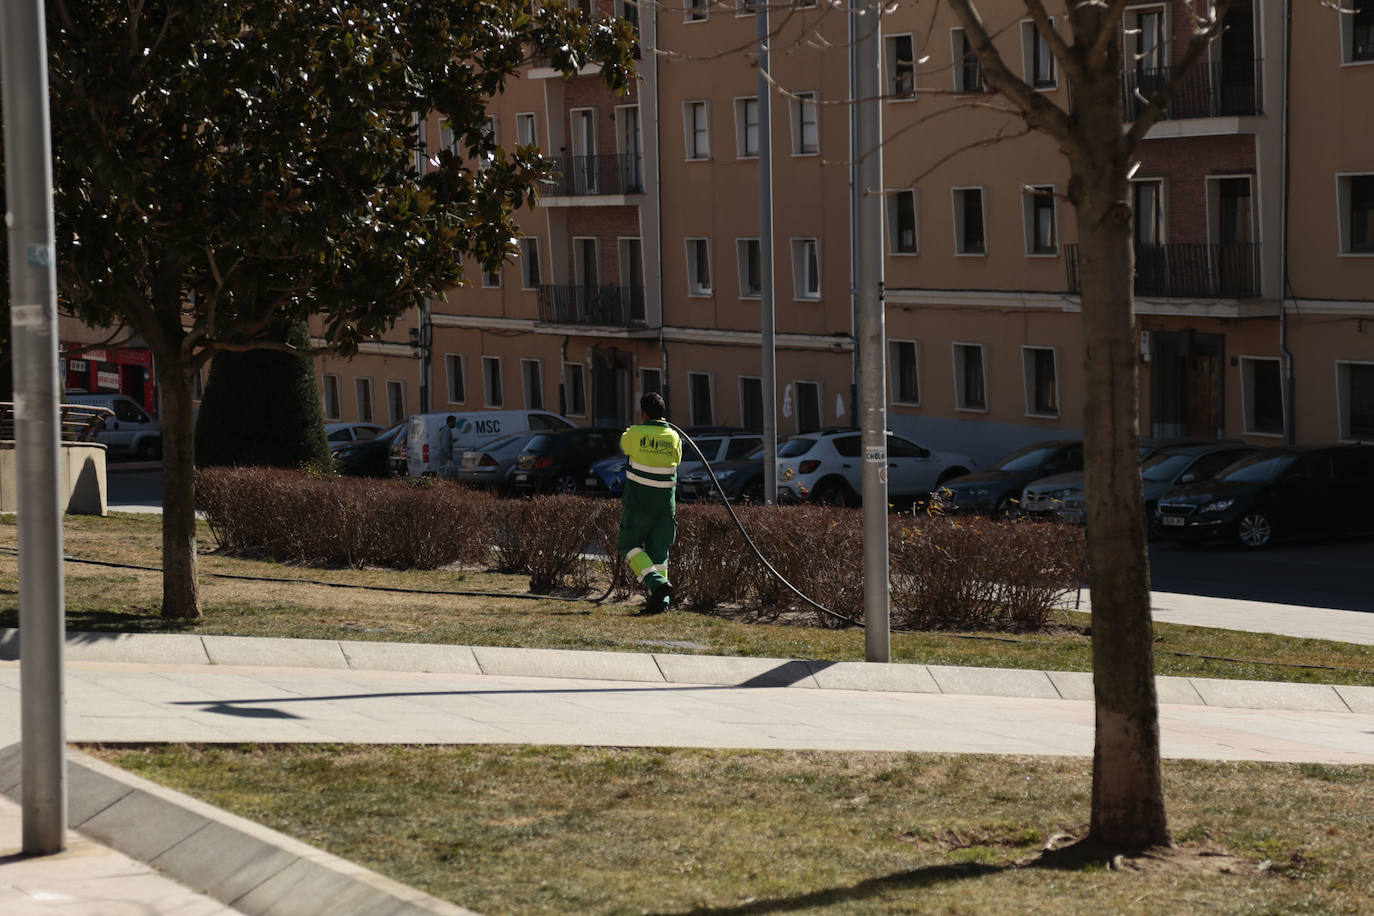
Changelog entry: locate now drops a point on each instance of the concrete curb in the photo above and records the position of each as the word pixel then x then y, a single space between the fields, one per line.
pixel 241 864
pixel 670 668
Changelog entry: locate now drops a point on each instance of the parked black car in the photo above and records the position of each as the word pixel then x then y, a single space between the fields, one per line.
pixel 367 457
pixel 1273 493
pixel 740 478
pixel 1181 465
pixel 997 491
pixel 557 462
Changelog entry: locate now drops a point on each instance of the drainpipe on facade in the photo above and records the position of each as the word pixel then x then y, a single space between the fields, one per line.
pixel 658 211
pixel 1289 382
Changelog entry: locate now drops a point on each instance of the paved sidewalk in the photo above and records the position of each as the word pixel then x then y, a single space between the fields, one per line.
pixel 189 688
pixel 88 879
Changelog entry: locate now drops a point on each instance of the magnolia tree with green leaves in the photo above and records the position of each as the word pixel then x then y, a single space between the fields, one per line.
pixel 225 168
pixel 1086 38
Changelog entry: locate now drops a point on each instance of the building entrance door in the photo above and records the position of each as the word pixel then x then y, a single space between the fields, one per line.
pixel 611 389
pixel 1188 384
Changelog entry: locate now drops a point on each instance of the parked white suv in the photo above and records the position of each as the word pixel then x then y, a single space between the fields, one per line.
pixel 827 466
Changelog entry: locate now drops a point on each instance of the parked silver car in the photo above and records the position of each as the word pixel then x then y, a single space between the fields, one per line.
pixel 490 464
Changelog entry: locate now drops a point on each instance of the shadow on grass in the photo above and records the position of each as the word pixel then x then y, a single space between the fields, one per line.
pixel 872 887
pixel 99 621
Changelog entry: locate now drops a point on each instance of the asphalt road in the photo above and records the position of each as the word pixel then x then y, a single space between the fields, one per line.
pixel 1331 574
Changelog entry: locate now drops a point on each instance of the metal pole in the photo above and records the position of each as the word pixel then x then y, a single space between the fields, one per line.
pixel 769 381
pixel 856 354
pixel 872 350
pixel 426 356
pixel 33 324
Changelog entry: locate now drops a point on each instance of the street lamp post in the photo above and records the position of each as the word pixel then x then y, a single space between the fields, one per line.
pixel 33 329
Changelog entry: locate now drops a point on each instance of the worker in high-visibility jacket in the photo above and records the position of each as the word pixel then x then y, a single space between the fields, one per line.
pixel 648 513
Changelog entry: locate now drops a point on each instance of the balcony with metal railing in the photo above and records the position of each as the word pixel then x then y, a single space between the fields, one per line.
pixel 604 306
pixel 1212 90
pixel 1188 271
pixel 610 173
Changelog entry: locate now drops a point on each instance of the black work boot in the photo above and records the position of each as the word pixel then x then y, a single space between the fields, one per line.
pixel 658 600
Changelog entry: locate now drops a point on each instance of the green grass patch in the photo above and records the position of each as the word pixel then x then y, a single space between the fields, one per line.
pixel 422 606
pixel 613 830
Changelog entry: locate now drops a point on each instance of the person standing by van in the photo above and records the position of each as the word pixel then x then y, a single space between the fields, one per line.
pixel 446 446
pixel 648 513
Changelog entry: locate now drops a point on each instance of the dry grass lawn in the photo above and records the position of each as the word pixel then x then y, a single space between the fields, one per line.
pixel 544 830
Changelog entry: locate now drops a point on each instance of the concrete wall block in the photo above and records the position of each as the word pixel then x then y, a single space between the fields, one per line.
pixel 141 825
pixel 866 676
pixel 1072 685
pixel 1177 691
pixel 1266 695
pixel 609 666
pixel 90 792
pixel 385 656
pixel 736 672
pixel 1359 699
pixel 223 862
pixel 143 648
pixel 11 767
pixel 994 682
pixel 259 651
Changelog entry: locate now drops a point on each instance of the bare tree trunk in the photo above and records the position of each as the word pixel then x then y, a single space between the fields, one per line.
pixel 180 589
pixel 1127 796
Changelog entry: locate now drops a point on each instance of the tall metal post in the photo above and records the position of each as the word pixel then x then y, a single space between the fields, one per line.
pixel 426 356
pixel 33 328
pixel 868 230
pixel 768 342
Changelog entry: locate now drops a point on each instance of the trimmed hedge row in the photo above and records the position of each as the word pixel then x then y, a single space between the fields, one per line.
pixel 311 520
pixel 946 573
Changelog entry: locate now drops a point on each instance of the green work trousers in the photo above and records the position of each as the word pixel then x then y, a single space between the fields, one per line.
pixel 648 527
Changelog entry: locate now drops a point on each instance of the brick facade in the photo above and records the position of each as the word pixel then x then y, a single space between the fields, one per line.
pixel 1185 163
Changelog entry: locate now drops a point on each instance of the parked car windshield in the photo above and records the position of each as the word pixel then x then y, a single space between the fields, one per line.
pixel 1164 467
pixel 1027 459
pixel 1257 468
pixel 538 444
pixel 795 448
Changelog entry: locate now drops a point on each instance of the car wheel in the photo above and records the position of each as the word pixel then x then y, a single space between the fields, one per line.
pixel 1255 530
pixel 1007 509
pixel 835 493
pixel 753 493
pixel 564 483
pixel 150 449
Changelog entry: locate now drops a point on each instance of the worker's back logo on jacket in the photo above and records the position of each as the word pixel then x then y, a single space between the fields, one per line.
pixel 664 446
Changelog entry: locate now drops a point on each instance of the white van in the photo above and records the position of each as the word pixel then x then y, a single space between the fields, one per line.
pixel 131 431
pixel 470 428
